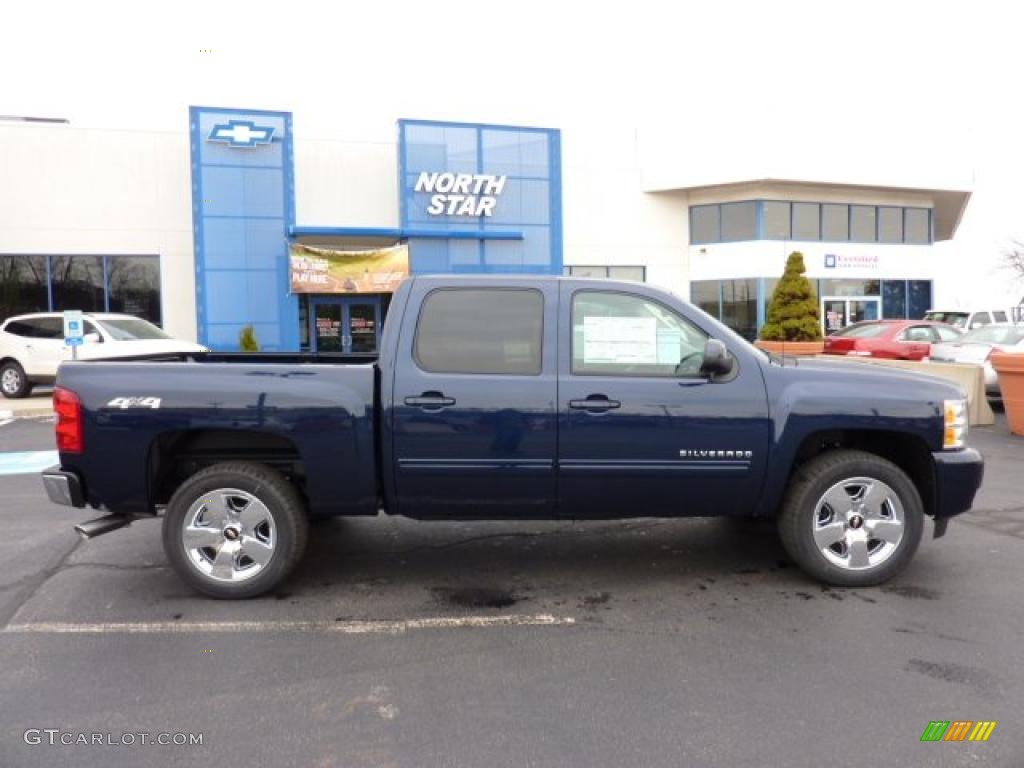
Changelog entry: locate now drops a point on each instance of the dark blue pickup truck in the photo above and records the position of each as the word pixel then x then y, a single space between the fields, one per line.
pixel 514 398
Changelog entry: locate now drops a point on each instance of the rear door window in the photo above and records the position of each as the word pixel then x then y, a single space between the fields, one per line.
pixel 481 330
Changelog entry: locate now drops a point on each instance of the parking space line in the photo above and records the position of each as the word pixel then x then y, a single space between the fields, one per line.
pixel 26 462
pixel 338 627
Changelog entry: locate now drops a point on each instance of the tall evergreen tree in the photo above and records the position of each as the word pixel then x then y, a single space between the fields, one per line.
pixel 793 314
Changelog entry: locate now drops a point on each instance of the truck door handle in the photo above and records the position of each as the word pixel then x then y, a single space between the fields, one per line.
pixel 430 401
pixel 595 403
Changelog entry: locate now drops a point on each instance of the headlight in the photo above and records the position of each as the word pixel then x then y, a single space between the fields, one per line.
pixel 954 427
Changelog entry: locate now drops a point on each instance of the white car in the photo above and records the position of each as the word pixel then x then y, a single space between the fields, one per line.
pixel 32 346
pixel 969 319
pixel 976 346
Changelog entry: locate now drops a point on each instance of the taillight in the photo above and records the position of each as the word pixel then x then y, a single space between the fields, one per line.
pixel 68 408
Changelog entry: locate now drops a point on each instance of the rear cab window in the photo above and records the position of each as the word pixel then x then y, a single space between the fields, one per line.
pixel 481 331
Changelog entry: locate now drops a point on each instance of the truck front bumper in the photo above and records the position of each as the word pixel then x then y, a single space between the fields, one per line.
pixel 958 476
pixel 63 487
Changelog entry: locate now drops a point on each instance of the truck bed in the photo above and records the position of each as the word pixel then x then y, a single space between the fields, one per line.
pixel 144 418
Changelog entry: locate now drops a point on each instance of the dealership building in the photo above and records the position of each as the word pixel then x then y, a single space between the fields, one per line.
pixel 236 220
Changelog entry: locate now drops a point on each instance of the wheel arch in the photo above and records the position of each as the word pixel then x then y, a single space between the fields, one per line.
pixel 176 455
pixel 907 451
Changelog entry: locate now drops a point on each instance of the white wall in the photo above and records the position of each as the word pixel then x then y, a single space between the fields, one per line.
pixel 67 190
pixel 346 183
pixel 72 190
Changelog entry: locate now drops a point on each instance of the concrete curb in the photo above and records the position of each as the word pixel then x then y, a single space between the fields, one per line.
pixel 25 413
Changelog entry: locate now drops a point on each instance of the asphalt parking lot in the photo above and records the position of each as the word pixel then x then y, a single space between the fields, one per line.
pixel 635 643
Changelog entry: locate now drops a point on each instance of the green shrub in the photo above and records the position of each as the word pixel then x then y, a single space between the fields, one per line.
pixel 793 314
pixel 247 340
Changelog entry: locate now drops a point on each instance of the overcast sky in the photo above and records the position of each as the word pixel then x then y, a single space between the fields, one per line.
pixel 932 86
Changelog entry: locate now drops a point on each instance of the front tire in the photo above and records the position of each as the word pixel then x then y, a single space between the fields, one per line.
pixel 851 519
pixel 13 382
pixel 235 530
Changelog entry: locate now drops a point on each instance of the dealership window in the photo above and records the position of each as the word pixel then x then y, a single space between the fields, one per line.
pixel 77 283
pixel 706 294
pixel 134 286
pixel 806 221
pixel 916 226
pixel 863 224
pixel 632 273
pixel 43 283
pixel 849 287
pixel 739 221
pixel 705 223
pixel 894 299
pixel 890 225
pixel 919 298
pixel 616 334
pixel 835 222
pixel 23 285
pixel 739 306
pixel 470 330
pixel 829 222
pixel 776 220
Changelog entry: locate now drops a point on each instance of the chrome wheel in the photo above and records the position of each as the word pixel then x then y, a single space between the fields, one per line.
pixel 228 535
pixel 11 381
pixel 858 523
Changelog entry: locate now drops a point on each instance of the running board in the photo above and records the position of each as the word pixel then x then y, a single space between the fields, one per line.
pixel 101 525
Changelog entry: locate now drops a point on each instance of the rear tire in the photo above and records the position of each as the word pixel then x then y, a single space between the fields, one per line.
pixel 14 384
pixel 851 519
pixel 235 530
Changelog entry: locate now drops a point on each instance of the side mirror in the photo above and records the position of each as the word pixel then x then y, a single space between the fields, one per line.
pixel 92 338
pixel 717 360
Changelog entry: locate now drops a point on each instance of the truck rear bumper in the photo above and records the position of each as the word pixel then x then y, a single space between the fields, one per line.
pixel 63 487
pixel 958 476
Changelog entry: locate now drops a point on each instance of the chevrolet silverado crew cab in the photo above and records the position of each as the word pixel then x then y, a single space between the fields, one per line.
pixel 513 398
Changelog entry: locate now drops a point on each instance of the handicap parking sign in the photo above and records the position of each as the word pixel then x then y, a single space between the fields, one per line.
pixel 73 327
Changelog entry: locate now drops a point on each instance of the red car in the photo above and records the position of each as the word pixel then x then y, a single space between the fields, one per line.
pixel 892 339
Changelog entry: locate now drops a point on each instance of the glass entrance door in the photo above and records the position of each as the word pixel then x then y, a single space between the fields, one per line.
pixel 350 325
pixel 837 312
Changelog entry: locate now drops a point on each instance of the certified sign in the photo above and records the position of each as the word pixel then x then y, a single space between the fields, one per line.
pixel 74 329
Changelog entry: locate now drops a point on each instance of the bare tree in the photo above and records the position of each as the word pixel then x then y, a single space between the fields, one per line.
pixel 1014 258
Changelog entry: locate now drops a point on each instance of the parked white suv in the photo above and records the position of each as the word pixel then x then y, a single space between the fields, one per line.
pixel 968 319
pixel 32 346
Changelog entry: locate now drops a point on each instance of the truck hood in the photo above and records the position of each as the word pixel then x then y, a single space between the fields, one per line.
pixel 869 379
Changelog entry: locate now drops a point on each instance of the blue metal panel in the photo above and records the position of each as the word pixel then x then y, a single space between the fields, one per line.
pixel 529 208
pixel 243 203
pixel 402 234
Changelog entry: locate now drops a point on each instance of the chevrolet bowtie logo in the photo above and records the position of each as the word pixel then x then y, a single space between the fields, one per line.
pixel 242 133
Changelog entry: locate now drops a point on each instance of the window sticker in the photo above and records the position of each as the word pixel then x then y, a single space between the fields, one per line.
pixel 620 340
pixel 670 346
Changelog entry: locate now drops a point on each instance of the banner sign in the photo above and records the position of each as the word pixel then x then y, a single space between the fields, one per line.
pixel 324 270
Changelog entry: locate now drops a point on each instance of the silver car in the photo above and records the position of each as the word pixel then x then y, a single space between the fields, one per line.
pixel 976 346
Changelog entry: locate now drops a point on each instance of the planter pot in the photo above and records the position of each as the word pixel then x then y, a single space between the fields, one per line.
pixel 1010 368
pixel 792 348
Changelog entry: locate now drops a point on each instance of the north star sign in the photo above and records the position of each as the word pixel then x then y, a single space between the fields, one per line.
pixel 461 194
pixel 242 133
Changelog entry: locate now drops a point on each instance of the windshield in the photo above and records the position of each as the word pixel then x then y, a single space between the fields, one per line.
pixel 131 329
pixel 994 334
pixel 862 331
pixel 959 319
